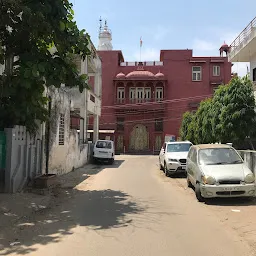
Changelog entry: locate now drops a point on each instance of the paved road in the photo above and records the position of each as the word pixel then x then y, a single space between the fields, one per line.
pixel 129 209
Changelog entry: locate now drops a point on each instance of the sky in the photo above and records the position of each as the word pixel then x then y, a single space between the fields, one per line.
pixel 201 25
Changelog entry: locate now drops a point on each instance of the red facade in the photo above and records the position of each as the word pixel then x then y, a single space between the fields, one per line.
pixel 144 101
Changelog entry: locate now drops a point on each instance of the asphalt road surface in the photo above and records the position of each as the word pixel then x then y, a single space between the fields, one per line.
pixel 130 209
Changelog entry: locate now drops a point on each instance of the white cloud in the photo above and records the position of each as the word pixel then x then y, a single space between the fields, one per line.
pixel 203 45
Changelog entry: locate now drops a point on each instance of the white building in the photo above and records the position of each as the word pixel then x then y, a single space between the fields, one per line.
pixel 105 38
pixel 89 102
pixel 243 48
pixel 70 114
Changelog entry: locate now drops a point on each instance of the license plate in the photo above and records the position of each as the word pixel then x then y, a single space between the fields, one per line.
pixel 229 189
pixel 183 167
pixel 102 152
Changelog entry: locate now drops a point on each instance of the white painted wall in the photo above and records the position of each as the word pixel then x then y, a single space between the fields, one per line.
pixel 63 158
pixel 93 107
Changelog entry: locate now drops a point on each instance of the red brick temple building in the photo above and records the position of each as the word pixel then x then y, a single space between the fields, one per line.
pixel 142 102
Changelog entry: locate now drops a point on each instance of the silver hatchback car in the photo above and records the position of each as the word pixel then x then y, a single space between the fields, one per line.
pixel 217 170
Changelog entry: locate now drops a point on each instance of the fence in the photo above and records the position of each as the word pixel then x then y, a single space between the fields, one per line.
pixel 23 158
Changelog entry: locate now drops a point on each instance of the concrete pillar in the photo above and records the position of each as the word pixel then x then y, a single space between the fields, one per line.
pixel 83 105
pixel 95 128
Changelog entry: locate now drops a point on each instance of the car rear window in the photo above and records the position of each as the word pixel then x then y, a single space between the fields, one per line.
pixel 104 144
pixel 178 147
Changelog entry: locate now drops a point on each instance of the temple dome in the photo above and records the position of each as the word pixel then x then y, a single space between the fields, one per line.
pixel 159 74
pixel 120 75
pixel 140 73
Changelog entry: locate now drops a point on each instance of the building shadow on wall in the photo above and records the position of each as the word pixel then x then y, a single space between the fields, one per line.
pixel 97 210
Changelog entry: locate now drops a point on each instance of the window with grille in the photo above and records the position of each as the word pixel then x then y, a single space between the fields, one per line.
pixel 120 123
pixel 196 73
pixel 216 70
pixel 140 95
pixel 120 94
pixel 147 94
pixel 132 95
pixel 159 125
pixel 62 130
pixel 159 94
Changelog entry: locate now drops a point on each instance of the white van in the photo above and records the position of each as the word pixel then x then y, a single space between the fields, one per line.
pixel 104 151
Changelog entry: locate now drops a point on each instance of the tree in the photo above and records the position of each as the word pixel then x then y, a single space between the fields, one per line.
pixel 228 117
pixel 186 119
pixel 207 131
pixel 202 128
pixel 38 42
pixel 187 129
pixel 237 114
pixel 216 109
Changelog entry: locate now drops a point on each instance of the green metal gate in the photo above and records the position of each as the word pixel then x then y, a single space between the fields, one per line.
pixel 2 150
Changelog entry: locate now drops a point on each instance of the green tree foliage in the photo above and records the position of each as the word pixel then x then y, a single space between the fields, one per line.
pixel 228 117
pixel 186 120
pixel 38 42
pixel 237 115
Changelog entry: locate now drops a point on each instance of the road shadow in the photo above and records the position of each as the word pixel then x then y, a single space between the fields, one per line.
pixel 72 179
pixel 235 201
pixel 96 210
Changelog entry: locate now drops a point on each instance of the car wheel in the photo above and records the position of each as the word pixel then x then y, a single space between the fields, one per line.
pixel 189 182
pixel 111 161
pixel 198 193
pixel 166 170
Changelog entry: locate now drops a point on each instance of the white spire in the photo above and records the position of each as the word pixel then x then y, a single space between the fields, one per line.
pixel 105 38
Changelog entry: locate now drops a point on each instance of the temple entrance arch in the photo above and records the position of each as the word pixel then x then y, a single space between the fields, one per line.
pixel 139 138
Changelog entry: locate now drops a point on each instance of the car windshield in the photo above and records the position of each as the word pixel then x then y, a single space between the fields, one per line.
pixel 178 147
pixel 103 144
pixel 216 156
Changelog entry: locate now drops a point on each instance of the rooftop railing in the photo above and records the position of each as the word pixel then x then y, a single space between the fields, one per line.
pixel 145 63
pixel 243 37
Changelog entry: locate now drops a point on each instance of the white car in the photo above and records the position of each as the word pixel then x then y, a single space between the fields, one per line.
pixel 173 157
pixel 216 170
pixel 104 151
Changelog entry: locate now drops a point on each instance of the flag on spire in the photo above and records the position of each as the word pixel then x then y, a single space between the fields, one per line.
pixel 140 42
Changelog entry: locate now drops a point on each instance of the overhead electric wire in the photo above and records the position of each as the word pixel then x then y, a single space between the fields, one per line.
pixel 156 102
pixel 145 111
pixel 146 121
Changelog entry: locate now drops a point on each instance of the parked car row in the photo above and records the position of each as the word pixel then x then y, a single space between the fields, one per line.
pixel 213 170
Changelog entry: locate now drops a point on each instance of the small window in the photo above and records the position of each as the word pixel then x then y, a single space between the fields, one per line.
pixel 216 70
pixel 196 73
pixel 140 96
pixel 120 124
pixel 62 130
pixel 159 94
pixel 159 125
pixel 147 94
pixel 132 95
pixel 120 94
